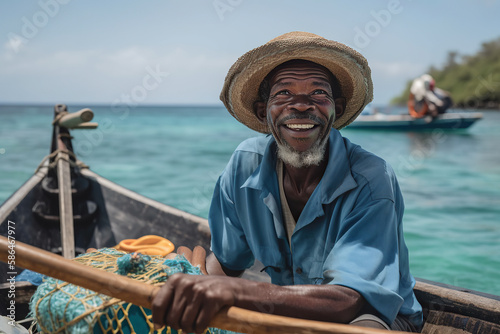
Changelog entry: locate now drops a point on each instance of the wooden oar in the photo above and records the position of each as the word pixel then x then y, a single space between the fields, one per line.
pixel 142 294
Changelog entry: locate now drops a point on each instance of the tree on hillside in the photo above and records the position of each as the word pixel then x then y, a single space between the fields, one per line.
pixel 451 60
pixel 473 81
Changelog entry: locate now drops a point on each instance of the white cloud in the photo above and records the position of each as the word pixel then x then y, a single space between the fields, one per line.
pixel 102 76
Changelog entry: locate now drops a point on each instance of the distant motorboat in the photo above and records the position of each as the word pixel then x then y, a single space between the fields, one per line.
pixel 449 121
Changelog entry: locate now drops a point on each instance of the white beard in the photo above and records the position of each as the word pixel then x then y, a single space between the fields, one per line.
pixel 311 157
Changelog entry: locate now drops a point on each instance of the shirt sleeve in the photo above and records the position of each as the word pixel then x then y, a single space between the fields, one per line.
pixel 366 256
pixel 228 241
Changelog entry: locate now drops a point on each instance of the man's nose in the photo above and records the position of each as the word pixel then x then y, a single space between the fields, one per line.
pixel 301 102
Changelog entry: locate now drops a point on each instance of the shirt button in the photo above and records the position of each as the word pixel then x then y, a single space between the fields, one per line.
pixel 298 270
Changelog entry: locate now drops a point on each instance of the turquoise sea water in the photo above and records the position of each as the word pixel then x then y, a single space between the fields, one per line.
pixel 450 180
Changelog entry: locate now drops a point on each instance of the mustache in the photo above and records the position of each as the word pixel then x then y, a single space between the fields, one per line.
pixel 302 115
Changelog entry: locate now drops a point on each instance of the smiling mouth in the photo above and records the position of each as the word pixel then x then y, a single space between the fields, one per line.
pixel 300 126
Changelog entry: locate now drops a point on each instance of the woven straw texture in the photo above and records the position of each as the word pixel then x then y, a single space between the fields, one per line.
pixel 242 82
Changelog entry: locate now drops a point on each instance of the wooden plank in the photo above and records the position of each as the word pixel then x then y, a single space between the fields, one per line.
pixel 443 299
pixel 451 323
pixel 65 204
pixel 13 201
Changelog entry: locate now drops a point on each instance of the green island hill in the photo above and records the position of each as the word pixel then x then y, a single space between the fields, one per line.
pixel 473 81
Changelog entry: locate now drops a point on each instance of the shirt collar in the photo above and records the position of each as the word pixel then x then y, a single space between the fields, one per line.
pixel 265 174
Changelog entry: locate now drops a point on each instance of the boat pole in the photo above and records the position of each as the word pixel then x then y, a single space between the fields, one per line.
pixel 142 294
pixel 65 202
pixel 61 134
pixel 63 121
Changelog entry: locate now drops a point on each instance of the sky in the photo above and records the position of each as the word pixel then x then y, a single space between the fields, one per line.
pixel 179 51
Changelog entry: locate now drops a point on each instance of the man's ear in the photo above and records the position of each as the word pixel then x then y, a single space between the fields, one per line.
pixel 339 106
pixel 259 108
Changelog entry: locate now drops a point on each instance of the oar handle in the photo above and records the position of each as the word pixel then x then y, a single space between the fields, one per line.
pixel 142 294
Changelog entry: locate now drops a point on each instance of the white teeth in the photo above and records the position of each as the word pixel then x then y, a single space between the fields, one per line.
pixel 300 126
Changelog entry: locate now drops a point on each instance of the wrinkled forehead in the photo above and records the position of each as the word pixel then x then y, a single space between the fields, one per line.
pixel 300 68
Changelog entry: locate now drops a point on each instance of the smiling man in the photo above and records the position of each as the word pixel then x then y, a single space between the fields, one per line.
pixel 299 110
pixel 323 215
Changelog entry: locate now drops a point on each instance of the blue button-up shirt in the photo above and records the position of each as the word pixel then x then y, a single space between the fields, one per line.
pixel 349 232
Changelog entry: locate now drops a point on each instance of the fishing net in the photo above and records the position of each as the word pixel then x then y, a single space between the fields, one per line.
pixel 61 307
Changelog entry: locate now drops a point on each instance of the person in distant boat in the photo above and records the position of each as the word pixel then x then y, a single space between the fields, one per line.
pixel 321 214
pixel 426 99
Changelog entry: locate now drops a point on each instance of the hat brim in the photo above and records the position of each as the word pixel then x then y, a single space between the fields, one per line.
pixel 240 90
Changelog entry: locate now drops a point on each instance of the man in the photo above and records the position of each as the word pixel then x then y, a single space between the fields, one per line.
pixel 426 99
pixel 322 215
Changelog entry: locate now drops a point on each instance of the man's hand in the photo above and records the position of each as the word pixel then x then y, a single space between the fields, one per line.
pixel 189 302
pixel 178 304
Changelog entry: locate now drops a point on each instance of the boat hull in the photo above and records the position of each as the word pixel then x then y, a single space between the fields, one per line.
pixel 450 309
pixel 122 214
pixel 448 121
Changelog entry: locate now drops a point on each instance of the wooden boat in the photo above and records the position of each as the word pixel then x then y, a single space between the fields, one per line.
pixel 447 121
pixel 106 213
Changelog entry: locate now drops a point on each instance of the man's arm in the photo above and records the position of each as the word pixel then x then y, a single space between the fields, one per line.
pixel 215 268
pixel 189 302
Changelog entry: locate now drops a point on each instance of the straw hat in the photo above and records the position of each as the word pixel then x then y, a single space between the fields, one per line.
pixel 242 82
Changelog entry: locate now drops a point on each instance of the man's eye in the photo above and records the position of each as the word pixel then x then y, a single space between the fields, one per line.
pixel 319 91
pixel 282 92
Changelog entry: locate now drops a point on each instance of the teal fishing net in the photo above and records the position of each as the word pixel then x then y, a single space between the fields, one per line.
pixel 61 307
